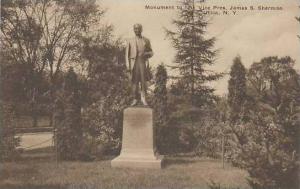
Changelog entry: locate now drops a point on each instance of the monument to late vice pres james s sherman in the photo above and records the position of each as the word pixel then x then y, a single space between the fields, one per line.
pixel 138 147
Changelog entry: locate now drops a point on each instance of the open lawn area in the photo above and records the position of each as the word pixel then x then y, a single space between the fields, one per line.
pixel 178 172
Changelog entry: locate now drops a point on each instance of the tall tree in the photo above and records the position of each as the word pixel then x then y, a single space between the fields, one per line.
pixel 46 35
pixel 236 107
pixel 194 52
pixel 161 113
pixel 236 87
pixel 237 96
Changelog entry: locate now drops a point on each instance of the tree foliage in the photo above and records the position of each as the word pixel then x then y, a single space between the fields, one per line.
pixel 46 36
pixel 108 89
pixel 209 131
pixel 237 109
pixel 270 149
pixel 19 89
pixel 194 53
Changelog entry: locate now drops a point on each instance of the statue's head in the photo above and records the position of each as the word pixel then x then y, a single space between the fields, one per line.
pixel 138 28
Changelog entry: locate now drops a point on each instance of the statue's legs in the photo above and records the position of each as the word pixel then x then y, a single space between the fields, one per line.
pixel 143 83
pixel 135 91
pixel 139 71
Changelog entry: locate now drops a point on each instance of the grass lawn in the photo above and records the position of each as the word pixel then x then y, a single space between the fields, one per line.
pixel 178 172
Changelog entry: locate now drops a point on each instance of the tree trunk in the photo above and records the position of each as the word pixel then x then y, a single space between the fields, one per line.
pixel 34 111
pixel 34 119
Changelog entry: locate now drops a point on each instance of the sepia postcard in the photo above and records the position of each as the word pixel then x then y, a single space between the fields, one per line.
pixel 150 94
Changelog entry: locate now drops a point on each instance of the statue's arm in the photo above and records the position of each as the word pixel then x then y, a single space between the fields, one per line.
pixel 149 51
pixel 127 51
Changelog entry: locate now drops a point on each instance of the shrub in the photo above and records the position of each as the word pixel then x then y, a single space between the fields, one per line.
pixel 9 142
pixel 67 119
pixel 103 126
pixel 215 185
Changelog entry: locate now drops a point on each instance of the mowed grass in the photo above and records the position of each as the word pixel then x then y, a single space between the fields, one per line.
pixel 178 172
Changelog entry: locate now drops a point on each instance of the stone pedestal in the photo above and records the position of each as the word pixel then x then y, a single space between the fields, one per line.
pixel 138 149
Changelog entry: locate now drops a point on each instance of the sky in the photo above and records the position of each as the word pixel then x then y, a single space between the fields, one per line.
pixel 251 34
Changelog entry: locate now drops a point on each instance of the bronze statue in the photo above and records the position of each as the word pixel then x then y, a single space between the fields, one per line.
pixel 138 51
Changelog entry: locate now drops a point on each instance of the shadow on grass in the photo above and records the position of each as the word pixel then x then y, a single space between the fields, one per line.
pixel 24 173
pixel 167 162
pixel 31 186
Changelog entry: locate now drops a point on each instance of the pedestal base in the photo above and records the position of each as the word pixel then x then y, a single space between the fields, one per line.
pixel 138 149
pixel 128 162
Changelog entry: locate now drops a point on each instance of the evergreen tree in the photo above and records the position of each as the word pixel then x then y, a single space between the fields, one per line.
pixel 161 116
pixel 237 99
pixel 194 53
pixel 68 121
pixel 236 103
pixel 236 88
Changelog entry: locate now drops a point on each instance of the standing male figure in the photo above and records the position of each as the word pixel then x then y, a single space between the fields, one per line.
pixel 138 51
